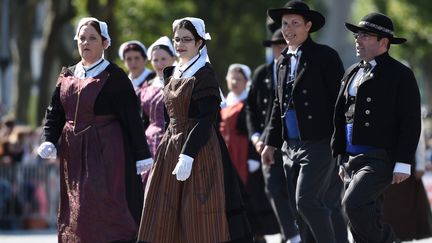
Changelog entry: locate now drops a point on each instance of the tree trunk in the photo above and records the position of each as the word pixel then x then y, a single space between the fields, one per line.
pixel 334 32
pixel 105 12
pixel 23 37
pixel 57 50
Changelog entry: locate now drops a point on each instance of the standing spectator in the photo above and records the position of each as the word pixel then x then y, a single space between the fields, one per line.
pixel 95 114
pixel 377 126
pixel 193 193
pixel 301 122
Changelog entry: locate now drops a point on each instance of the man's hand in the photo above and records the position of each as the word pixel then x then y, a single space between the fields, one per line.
pixel 399 177
pixel 267 155
pixel 259 146
pixel 342 172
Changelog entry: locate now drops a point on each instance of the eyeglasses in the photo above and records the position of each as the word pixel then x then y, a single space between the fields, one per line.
pixel 185 39
pixel 363 35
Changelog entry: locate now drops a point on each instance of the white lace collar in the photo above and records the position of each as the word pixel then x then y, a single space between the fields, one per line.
pixel 188 69
pixel 233 99
pixel 136 82
pixel 92 70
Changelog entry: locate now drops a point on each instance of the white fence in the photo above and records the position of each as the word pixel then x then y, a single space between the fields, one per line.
pixel 29 196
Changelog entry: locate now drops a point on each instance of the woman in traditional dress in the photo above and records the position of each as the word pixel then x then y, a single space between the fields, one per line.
pixel 243 155
pixel 161 54
pixel 94 119
pixel 134 55
pixel 193 194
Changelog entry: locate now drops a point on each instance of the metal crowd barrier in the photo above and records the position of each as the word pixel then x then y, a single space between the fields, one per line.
pixel 29 196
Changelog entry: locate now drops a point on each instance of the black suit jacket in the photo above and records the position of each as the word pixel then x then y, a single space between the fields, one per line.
pixel 387 110
pixel 314 94
pixel 260 99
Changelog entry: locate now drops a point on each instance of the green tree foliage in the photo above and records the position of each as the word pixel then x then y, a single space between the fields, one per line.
pixel 237 28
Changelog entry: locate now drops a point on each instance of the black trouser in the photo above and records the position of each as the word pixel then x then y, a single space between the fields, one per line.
pixel 310 163
pixel 333 201
pixel 281 199
pixel 370 175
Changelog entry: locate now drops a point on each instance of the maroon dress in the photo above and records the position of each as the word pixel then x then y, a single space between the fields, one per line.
pixel 93 178
pixel 152 103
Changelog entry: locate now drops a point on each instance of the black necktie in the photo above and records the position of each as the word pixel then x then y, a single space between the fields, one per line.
pixel 287 58
pixel 366 66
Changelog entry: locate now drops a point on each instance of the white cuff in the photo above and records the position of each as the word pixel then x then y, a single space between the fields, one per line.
pixel 145 161
pixel 402 168
pixel 255 136
pixel 186 158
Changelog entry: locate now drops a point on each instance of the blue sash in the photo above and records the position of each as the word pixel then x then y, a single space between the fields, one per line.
pixel 291 124
pixel 355 149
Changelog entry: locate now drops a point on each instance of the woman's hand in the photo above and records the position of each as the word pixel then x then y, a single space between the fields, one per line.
pixel 183 168
pixel 47 150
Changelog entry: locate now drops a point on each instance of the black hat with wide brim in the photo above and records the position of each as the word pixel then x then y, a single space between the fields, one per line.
pixel 301 8
pixel 277 38
pixel 376 23
pixel 271 25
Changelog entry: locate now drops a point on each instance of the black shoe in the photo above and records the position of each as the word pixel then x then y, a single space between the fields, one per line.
pixel 259 239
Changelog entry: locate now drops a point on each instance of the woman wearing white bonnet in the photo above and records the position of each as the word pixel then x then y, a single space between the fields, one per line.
pixel 238 90
pixel 94 105
pixel 161 55
pixel 193 193
pixel 246 160
pixel 134 55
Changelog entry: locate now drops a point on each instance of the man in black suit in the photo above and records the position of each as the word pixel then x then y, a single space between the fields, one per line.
pixel 258 110
pixel 377 127
pixel 308 81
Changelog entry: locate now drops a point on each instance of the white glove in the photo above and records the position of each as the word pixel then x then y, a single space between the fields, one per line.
pixel 143 165
pixel 47 150
pixel 253 165
pixel 183 168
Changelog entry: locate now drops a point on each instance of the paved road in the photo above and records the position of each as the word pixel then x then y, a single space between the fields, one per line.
pixel 50 237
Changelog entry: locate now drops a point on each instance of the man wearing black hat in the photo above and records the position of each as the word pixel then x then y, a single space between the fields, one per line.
pixel 301 122
pixel 258 110
pixel 377 127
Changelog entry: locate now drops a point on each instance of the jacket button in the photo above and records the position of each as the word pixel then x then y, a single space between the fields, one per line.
pixel 286 95
pixel 309 117
pixel 263 112
pixel 304 91
pixel 367 112
pixel 262 125
pixel 306 103
pixel 267 81
pixel 265 100
pixel 284 104
pixel 368 99
pixel 366 124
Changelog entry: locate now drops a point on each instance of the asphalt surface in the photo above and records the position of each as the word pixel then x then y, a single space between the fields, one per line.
pixel 51 237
